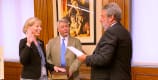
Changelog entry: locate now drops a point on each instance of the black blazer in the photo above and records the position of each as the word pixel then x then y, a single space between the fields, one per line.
pixel 111 60
pixel 31 60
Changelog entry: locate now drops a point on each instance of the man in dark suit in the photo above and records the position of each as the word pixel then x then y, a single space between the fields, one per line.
pixel 111 60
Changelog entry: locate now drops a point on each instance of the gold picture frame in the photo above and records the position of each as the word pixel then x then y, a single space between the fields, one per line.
pixel 82 17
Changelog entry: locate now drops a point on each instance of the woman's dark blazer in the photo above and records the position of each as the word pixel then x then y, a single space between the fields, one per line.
pixel 31 60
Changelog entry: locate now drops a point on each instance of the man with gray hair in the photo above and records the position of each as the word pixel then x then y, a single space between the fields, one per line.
pixel 59 55
pixel 111 60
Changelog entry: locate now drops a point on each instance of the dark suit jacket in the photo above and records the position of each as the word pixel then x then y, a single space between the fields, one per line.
pixel 31 60
pixel 111 60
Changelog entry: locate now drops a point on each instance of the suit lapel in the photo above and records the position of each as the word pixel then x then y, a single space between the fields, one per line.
pixel 57 50
pixel 33 46
pixel 69 41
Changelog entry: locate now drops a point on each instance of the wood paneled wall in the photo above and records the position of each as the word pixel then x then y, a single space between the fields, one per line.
pixel 43 9
pixel 12 71
pixel 144 73
pixel 84 72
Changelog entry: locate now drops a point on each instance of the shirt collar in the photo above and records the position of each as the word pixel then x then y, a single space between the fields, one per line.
pixel 113 24
pixel 65 41
pixel 61 37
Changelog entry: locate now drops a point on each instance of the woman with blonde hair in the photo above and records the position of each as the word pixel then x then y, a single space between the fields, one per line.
pixel 32 53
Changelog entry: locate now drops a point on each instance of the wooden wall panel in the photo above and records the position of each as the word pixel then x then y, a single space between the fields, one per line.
pixel 44 10
pixel 12 70
pixel 144 73
pixel 84 72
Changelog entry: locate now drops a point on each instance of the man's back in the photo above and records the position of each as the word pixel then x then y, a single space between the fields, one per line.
pixel 114 50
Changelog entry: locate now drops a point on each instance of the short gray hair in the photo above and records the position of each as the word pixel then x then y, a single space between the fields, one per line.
pixel 63 20
pixel 113 10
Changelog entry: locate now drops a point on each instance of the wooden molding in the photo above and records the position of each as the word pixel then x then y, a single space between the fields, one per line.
pixel 144 73
pixel 12 70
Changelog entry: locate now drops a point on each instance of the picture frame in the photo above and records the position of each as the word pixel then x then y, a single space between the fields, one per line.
pixel 82 17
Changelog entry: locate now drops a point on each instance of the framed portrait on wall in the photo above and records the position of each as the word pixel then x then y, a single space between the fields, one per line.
pixel 81 15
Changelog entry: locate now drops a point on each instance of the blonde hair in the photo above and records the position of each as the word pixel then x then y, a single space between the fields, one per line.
pixel 29 22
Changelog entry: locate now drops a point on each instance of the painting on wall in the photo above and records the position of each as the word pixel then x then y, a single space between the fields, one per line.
pixel 81 15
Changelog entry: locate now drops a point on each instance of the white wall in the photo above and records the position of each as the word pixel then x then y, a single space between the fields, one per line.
pixel 13 14
pixel 145 32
